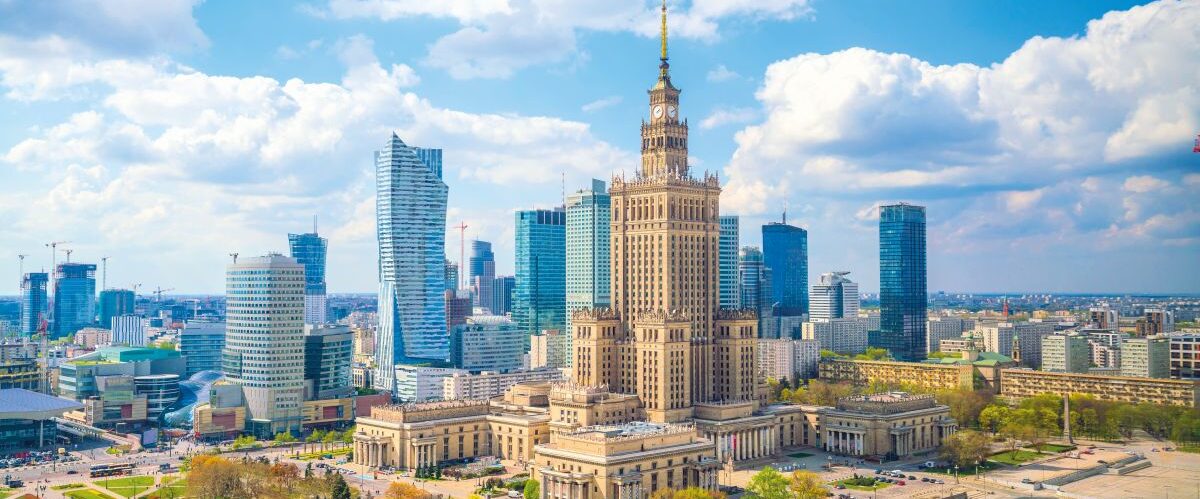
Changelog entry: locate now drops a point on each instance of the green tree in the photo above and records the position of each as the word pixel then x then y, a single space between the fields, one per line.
pixel 284 438
pixel 966 448
pixel 532 489
pixel 768 484
pixel 993 417
pixel 807 485
pixel 313 437
pixel 873 353
pixel 339 488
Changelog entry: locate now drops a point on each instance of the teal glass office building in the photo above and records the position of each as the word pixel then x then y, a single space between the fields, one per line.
pixel 785 252
pixel 74 298
pixel 540 295
pixel 902 288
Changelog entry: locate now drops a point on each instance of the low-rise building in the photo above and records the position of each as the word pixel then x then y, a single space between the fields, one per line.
pixel 1023 383
pixel 486 385
pixel 938 328
pixel 421 383
pixel 223 416
pixel 1185 355
pixel 20 374
pixel 93 337
pixel 886 425
pixel 634 459
pixel 26 419
pixel 488 343
pixel 925 375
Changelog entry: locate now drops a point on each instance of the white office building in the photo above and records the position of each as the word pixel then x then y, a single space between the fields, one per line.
pixel 1148 357
pixel 727 253
pixel 846 336
pixel 834 297
pixel 940 328
pixel 129 330
pixel 1019 340
pixel 264 340
pixel 589 217
pixel 786 358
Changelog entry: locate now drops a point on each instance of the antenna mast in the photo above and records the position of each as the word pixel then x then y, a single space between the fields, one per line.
pixel 103 273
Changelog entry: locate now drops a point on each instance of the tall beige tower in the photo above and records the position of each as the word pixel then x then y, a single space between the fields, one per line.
pixel 658 340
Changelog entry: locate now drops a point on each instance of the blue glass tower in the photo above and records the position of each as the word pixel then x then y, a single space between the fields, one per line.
pixel 113 303
pixel 540 296
pixel 902 288
pixel 482 271
pixel 74 298
pixel 309 250
pixel 410 211
pixel 33 301
pixel 785 252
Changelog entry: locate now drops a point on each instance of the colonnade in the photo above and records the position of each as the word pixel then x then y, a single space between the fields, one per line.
pixel 747 444
pixel 845 442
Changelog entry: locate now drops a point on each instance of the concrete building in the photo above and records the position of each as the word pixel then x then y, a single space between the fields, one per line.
pixel 589 215
pixel 940 328
pixel 1185 355
pixel 1103 317
pixel 539 298
pixel 502 294
pixel 411 230
pixel 93 337
pixel 1023 383
pixel 129 330
pixel 728 244
pixel 786 359
pixel 1146 357
pixel 21 373
pixel 487 385
pixel 422 383
pixel 458 308
pixel 1155 321
pixel 201 343
pixel 309 250
pixel 328 352
pixel 264 340
pixel 549 349
pixel 1019 340
pixel 925 375
pixel 488 343
pixel 903 298
pixel 628 460
pixel 1069 353
pixel 845 336
pixel 893 425
pixel 834 297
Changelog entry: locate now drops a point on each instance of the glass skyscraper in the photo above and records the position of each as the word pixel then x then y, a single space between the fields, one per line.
pixel 33 301
pixel 482 272
pixel 785 252
pixel 728 262
pixel 539 299
pixel 309 250
pixel 74 298
pixel 902 288
pixel 589 218
pixel 410 210
pixel 502 294
pixel 113 303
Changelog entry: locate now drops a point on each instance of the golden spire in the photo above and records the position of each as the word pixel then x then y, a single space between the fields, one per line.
pixel 664 31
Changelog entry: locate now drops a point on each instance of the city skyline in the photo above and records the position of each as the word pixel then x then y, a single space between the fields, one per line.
pixel 1011 208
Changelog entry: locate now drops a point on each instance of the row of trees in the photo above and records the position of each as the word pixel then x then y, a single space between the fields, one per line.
pixel 323 438
pixel 214 476
pixel 771 484
pixel 1092 418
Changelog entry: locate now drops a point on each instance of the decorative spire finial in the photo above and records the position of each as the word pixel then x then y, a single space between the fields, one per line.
pixel 664 31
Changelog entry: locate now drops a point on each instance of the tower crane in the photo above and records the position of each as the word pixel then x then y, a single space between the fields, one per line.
pixel 53 245
pixel 158 292
pixel 68 251
pixel 21 270
pixel 103 273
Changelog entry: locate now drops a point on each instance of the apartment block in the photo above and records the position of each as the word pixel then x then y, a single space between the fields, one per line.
pixel 928 376
pixel 1022 383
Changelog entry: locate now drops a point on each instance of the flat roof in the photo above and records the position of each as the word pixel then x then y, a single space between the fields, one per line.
pixel 19 403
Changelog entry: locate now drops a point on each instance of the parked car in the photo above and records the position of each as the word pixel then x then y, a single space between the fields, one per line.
pixel 912 477
pixel 72 472
pixel 1026 480
pixel 901 482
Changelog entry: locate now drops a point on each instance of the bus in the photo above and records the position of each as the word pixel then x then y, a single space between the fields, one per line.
pixel 111 469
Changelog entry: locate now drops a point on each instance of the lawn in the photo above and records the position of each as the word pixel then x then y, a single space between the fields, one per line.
pixel 87 494
pixel 307 456
pixel 1194 449
pixel 968 471
pixel 1055 448
pixel 5 492
pixel 174 488
pixel 128 486
pixel 800 455
pixel 1015 457
pixel 66 486
pixel 862 483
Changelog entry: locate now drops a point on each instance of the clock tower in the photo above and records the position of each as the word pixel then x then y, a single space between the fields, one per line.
pixel 664 137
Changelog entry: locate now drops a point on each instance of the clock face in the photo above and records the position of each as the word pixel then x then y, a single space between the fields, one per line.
pixel 671 111
pixel 658 111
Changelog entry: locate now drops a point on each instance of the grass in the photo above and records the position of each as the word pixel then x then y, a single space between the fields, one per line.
pixel 87 494
pixel 176 487
pixel 5 492
pixel 1055 448
pixel 66 486
pixel 308 456
pixel 1014 457
pixel 128 486
pixel 800 455
pixel 968 471
pixel 1194 449
pixel 856 484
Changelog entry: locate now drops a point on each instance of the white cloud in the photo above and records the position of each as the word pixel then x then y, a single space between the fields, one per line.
pixel 599 104
pixel 722 73
pixel 500 37
pixel 728 116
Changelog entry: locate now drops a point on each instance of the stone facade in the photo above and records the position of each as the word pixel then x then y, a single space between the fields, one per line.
pixel 891 425
pixel 928 376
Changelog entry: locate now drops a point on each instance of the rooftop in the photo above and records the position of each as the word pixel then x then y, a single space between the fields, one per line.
pixel 19 403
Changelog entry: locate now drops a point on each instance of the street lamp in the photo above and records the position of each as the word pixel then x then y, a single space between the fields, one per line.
pixel 956 473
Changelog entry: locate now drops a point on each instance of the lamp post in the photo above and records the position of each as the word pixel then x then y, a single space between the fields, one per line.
pixel 956 473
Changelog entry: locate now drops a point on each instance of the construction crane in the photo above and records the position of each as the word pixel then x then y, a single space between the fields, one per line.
pixel 103 273
pixel 68 251
pixel 234 255
pixel 462 253
pixel 21 270
pixel 158 292
pixel 53 245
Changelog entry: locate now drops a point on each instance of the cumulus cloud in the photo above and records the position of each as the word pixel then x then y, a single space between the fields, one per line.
pixel 500 37
pixel 728 116
pixel 1015 137
pixel 599 104
pixel 722 73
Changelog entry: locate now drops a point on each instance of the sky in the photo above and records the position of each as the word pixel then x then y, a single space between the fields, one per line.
pixel 1051 142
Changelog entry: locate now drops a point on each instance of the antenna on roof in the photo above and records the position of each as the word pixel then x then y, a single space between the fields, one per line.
pixel 314 224
pixel 785 207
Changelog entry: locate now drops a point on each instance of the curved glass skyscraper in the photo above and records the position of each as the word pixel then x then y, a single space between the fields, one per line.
pixel 410 211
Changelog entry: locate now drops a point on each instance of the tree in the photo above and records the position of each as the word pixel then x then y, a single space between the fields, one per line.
pixel 688 493
pixel 330 438
pixel 214 476
pixel 873 353
pixel 965 405
pixel 532 489
pixel 313 437
pixel 348 435
pixel 966 448
pixel 807 485
pixel 993 417
pixel 339 488
pixel 284 438
pixel 768 484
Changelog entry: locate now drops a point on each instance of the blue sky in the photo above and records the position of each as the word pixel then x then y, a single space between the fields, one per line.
pixel 1051 141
